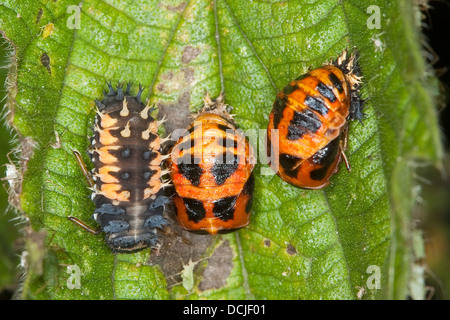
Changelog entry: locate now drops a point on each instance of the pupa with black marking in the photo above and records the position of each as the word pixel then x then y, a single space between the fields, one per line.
pixel 307 132
pixel 211 170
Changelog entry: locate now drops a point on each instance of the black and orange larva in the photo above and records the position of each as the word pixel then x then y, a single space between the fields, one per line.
pixel 211 171
pixel 311 114
pixel 126 179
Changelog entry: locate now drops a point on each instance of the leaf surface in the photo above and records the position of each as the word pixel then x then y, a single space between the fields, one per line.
pixel 301 244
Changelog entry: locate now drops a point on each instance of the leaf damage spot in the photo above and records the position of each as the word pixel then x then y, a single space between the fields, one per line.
pixel 178 8
pixel 267 243
pixel 45 61
pixel 189 53
pixel 188 75
pixel 218 269
pixel 290 250
pixel 177 114
pixel 177 253
pixel 39 15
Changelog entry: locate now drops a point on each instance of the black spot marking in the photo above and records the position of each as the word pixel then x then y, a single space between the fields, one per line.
pixel 225 167
pixel 267 243
pixel 336 82
pixel 45 60
pixel 289 164
pixel 151 137
pixel 194 209
pixel 303 76
pixel 278 106
pixel 125 153
pixel 223 127
pixel 249 187
pixel 190 169
pixel 148 174
pixel 224 208
pixel 291 173
pixel 316 104
pixel 248 206
pixel 303 121
pixel 149 155
pixel 325 157
pixel 227 142
pixel 306 119
pixel 124 175
pixel 290 88
pixel 192 129
pixel 295 132
pixel 326 91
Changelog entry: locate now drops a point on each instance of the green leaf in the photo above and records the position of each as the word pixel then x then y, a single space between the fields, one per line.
pixel 301 244
pixel 8 227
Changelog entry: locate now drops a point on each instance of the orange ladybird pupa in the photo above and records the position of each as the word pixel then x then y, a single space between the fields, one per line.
pixel 211 170
pixel 311 115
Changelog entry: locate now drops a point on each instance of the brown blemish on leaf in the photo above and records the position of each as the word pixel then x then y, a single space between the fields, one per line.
pixel 177 114
pixel 168 76
pixel 45 61
pixel 218 269
pixel 188 74
pixel 290 250
pixel 39 15
pixel 161 87
pixel 267 243
pixel 189 53
pixel 178 8
pixel 178 247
